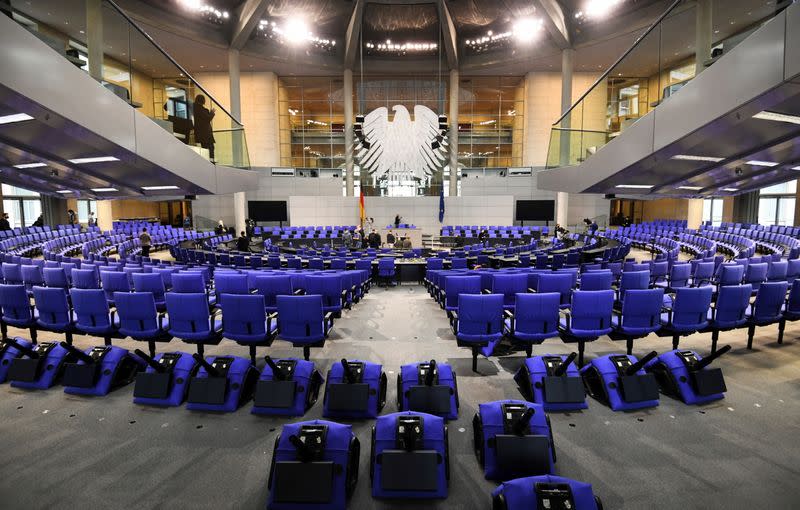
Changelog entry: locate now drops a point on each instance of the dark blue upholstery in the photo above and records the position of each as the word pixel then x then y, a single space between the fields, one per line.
pixel 509 285
pixel 686 313
pixel 767 308
pixel 272 286
pixel 729 311
pixel 386 269
pixel 730 274
pixel 12 273
pixel 775 273
pixel 229 283
pixel 54 311
pixel 191 282
pixel 245 322
pixel 535 318
pixel 114 281
pixel 596 280
pixel 520 494
pixel 85 279
pixel 55 277
pixel 458 263
pixel 703 274
pixel 480 322
pixel 679 276
pixel 756 274
pixel 630 280
pixel 153 283
pixel 32 276
pixel 302 321
pixel 17 310
pixel 459 284
pixel 639 315
pixel 330 287
pixel 92 313
pixel 189 319
pixel 140 319
pixel 561 283
pixel 589 317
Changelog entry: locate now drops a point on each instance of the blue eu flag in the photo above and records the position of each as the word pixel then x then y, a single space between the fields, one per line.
pixel 441 204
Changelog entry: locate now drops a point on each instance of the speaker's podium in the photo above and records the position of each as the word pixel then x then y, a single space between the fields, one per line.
pixel 404 230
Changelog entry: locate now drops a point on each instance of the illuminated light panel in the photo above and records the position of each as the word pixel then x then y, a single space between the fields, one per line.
pixel 635 186
pixel 691 188
pixel 98 159
pixel 756 162
pixel 597 8
pixel 64 191
pixel 777 117
pixel 30 165
pixel 15 117
pixel 730 189
pixel 158 188
pixel 690 157
pixel 526 29
pixel 104 190
pixel 796 168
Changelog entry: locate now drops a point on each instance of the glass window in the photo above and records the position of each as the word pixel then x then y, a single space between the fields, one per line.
pixel 786 211
pixel 780 189
pixel 13 191
pixel 712 211
pixel 84 207
pixel 767 211
pixel 14 210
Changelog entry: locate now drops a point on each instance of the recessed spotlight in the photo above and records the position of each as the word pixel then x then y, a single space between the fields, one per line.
pixel 526 29
pixel 635 186
pixel 756 162
pixel 99 159
pixel 64 191
pixel 777 117
pixel 690 157
pixel 15 117
pixel 30 165
pixel 104 190
pixel 690 188
pixel 158 188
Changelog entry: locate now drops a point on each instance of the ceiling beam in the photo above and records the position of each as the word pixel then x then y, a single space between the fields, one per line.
pixel 555 22
pixel 248 16
pixel 351 39
pixel 448 34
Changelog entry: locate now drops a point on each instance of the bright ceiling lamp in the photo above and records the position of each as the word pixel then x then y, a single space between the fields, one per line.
pixel 98 159
pixel 191 4
pixel 731 190
pixel 158 188
pixel 14 117
pixel 690 188
pixel 690 157
pixel 597 8
pixel 64 191
pixel 635 186
pixel 526 29
pixel 30 165
pixel 296 31
pixel 777 117
pixel 756 162
pixel 796 168
pixel 104 190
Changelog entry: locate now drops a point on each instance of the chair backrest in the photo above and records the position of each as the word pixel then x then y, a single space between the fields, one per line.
pixel 480 314
pixel 703 272
pixel 12 273
pixel 509 285
pixel 32 275
pixel 793 303
pixel 338 263
pixel 55 277
pixel 188 283
pixel 150 282
pixel 537 313
pixel 630 280
pixel 732 303
pixel 364 265
pixel 114 281
pixel 690 307
pixel 329 286
pixel 188 313
pixel 230 283
pixel 775 273
pixel 14 302
pixel 756 274
pixel 458 263
pixel 85 279
pixel 300 316
pixel 679 275
pixel 596 280
pixel 641 308
pixel 271 286
pixel 659 269
pixel 243 315
pixel 591 310
pixel 556 282
pixel 769 300
pixel 730 274
pixel 53 306
pixel 385 264
pixel 91 308
pixel 137 312
pixel 459 284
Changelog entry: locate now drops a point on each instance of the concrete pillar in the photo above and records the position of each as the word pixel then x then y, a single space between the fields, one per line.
pixel 704 30
pixel 105 216
pixel 562 198
pixel 452 118
pixel 694 214
pixel 94 37
pixel 234 79
pixel 239 210
pixel 348 131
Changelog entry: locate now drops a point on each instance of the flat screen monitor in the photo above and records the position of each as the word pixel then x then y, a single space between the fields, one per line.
pixel 536 210
pixel 267 210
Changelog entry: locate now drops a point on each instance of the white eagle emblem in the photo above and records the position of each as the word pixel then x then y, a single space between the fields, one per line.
pixel 402 149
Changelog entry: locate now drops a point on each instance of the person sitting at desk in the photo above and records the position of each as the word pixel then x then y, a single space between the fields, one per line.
pixel 483 235
pixel 406 243
pixel 390 239
pixel 243 242
pixel 398 244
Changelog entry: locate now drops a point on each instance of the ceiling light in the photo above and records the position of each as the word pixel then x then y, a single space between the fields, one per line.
pixel 689 157
pixel 296 31
pixel 64 191
pixel 15 117
pixel 526 29
pixel 158 188
pixel 635 186
pixel 104 190
pixel 99 159
pixel 598 8
pixel 30 165
pixel 755 162
pixel 777 117
pixel 691 188
pixel 730 189
pixel 796 168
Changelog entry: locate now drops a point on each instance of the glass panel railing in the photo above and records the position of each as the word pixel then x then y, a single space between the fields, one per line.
pixel 661 61
pixel 136 69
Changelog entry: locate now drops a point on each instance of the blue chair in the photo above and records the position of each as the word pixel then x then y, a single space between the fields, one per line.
pixel 93 315
pixel 479 323
pixel 303 322
pixel 331 289
pixel 272 286
pixel 365 266
pixel 534 319
pixel 316 263
pixel 16 309
pixel 588 318
pixel 55 277
pixel 509 285
pixel 756 274
pixel 639 316
pixel 686 313
pixel 776 272
pixel 557 282
pixel 730 274
pixel 703 274
pixel 339 264
pixel 32 276
pixel 245 321
pixel 793 270
pixel 140 319
pixel 186 282
pixel 229 283
pixel 294 263
pixel 678 277
pixel 85 279
pixel 632 280
pixel 386 270
pixel 729 311
pixel 658 271
pixel 12 273
pixel 791 310
pixel 458 263
pixel 767 308
pixel 54 311
pixel 114 281
pixel 153 283
pixel 190 320
pixel 456 285
pixel 597 280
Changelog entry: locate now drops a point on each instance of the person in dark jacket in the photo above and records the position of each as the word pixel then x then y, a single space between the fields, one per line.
pixel 4 223
pixel 374 239
pixel 203 133
pixel 39 222
pixel 71 217
pixel 243 242
pixel 390 239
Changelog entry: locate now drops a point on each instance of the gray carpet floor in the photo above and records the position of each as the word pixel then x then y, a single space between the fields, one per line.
pixel 61 451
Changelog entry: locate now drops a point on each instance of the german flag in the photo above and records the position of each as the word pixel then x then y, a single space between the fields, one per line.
pixel 361 211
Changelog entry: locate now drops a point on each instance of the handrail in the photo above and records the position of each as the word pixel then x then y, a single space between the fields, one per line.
pixel 620 59
pixel 169 57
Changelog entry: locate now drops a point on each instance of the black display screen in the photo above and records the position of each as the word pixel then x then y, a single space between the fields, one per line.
pixel 267 210
pixel 536 210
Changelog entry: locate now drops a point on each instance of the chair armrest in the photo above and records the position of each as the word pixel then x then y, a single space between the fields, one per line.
pixel 567 315
pixel 508 314
pixel 298 292
pixel 212 319
pixel 486 291
pixel 161 316
pixel 531 290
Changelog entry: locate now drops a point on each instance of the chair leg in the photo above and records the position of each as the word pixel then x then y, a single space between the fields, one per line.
pixel 528 350
pixel 581 348
pixel 68 334
pixel 253 354
pixel 751 330
pixel 34 335
pixel 629 345
pixel 675 341
pixel 307 352
pixel 781 327
pixel 107 341
pixel 201 350
pixel 475 351
pixel 714 339
pixel 151 345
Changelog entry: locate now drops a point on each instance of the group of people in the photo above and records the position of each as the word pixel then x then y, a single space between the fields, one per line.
pixel 361 239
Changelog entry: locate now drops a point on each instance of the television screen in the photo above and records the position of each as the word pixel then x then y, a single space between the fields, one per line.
pixel 536 210
pixel 267 210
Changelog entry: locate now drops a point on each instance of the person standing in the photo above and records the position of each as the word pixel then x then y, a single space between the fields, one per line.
pixel 39 222
pixel 4 223
pixel 390 239
pixel 243 242
pixel 71 217
pixel 397 220
pixel 374 239
pixel 144 242
pixel 347 239
pixel 203 133
pixel 91 221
